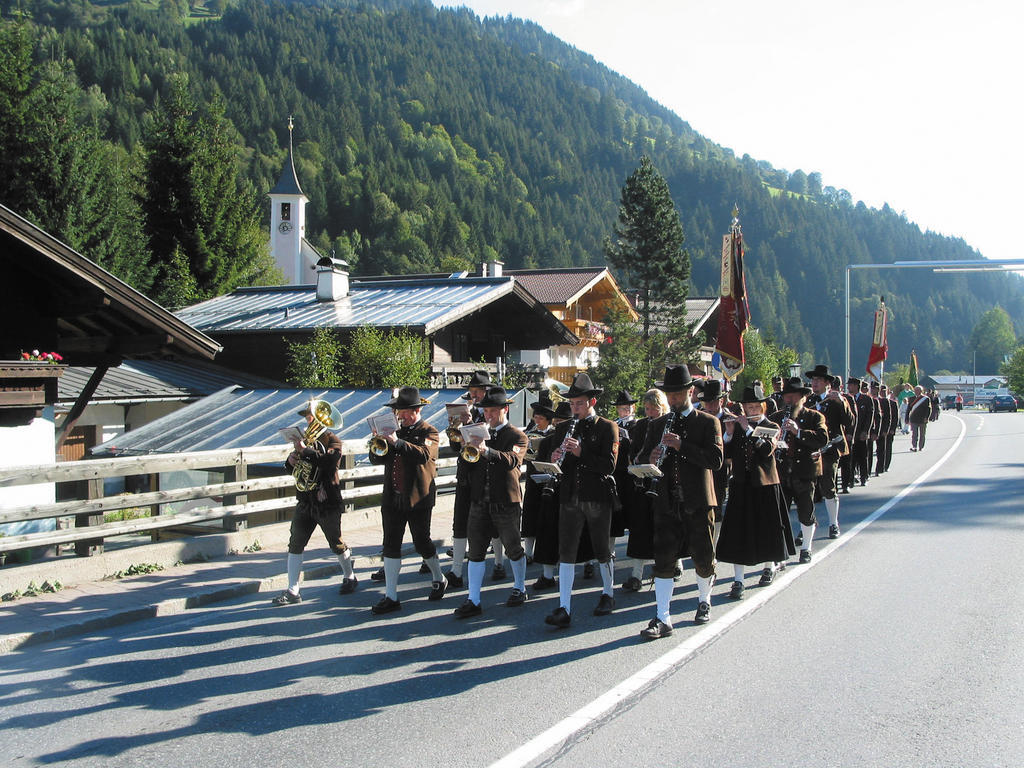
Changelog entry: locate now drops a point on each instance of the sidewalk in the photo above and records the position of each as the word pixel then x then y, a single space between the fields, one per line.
pixel 92 603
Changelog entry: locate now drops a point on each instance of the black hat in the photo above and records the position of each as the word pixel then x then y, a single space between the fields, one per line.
pixel 853 381
pixel 408 397
pixel 677 378
pixel 543 405
pixel 837 382
pixel 305 411
pixel 820 372
pixel 874 385
pixel 563 411
pixel 582 386
pixel 624 398
pixel 495 398
pixel 754 394
pixel 480 379
pixel 795 386
pixel 711 389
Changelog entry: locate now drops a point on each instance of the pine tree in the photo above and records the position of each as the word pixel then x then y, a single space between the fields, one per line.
pixel 648 251
pixel 194 201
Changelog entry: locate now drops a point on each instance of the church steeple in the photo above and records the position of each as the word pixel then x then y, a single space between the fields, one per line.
pixel 288 224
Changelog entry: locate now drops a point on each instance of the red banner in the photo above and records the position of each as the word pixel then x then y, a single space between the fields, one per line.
pixel 879 345
pixel 733 312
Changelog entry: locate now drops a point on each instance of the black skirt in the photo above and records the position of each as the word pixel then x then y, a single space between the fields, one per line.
pixel 756 526
pixel 641 527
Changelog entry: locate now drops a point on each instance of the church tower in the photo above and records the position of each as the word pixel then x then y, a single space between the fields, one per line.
pixel 288 225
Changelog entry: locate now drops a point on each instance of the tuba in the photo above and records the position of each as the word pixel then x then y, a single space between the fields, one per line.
pixel 325 416
pixel 555 390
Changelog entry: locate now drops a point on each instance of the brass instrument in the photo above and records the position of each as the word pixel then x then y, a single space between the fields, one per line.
pixel 325 416
pixel 555 389
pixel 652 482
pixel 781 451
pixel 378 446
pixel 454 435
pixel 470 453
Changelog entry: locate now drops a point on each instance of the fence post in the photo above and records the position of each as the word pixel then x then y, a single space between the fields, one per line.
pixel 90 547
pixel 236 473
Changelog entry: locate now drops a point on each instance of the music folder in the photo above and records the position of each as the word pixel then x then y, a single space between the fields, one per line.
pixel 547 468
pixel 291 434
pixel 644 470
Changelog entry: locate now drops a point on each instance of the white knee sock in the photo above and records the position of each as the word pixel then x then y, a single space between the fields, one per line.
pixel 737 572
pixel 435 568
pixel 832 505
pixel 476 580
pixel 345 561
pixel 499 556
pixel 458 555
pixel 392 567
pixel 638 569
pixel 611 546
pixel 807 531
pixel 704 585
pixel 549 571
pixel 770 565
pixel 294 572
pixel 529 544
pixel 566 576
pixel 663 594
pixel 519 573
pixel 607 577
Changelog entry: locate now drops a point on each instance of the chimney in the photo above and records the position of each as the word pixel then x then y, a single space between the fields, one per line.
pixel 331 279
pixel 491 268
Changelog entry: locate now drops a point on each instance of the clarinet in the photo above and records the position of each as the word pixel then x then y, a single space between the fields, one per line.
pixel 549 489
pixel 782 451
pixel 652 482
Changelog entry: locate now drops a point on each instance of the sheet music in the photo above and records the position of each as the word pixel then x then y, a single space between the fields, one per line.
pixel 383 423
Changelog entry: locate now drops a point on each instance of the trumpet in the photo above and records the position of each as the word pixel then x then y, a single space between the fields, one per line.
pixel 454 435
pixel 470 453
pixel 378 446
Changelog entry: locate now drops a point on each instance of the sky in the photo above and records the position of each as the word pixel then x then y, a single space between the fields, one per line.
pixel 911 103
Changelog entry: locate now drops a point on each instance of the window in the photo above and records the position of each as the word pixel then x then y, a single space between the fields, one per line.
pixel 286 211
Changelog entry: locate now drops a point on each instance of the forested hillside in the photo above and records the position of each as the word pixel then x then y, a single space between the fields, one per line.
pixel 428 139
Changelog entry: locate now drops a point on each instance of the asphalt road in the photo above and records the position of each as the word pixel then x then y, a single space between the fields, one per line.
pixel 899 645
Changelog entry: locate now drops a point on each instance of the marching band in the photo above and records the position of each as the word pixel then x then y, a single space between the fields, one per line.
pixel 701 475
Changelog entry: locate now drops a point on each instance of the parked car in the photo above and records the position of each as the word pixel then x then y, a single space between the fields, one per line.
pixel 948 402
pixel 1002 403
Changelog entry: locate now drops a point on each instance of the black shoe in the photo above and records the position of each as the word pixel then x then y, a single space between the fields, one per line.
pixel 605 605
pixel 348 586
pixel 845 490
pixel 863 483
pixel 588 571
pixel 516 599
pixel 632 584
pixel 736 593
pixel 454 582
pixel 833 531
pixel 437 590
pixel 805 556
pixel 767 577
pixel 287 598
pixel 498 573
pixel 798 539
pixel 386 605
pixel 655 630
pixel 558 618
pixel 543 582
pixel 424 568
pixel 703 615
pixel 467 609
pixel 378 575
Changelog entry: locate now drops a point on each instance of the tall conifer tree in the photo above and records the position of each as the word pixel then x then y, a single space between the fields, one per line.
pixel 648 251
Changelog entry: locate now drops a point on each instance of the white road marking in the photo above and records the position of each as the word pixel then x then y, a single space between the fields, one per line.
pixel 602 705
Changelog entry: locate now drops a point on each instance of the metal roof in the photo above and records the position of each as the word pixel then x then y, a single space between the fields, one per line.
pixel 699 309
pixel 150 380
pixel 241 418
pixel 429 304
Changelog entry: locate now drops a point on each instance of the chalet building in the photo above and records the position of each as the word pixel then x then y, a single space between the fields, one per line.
pixel 60 301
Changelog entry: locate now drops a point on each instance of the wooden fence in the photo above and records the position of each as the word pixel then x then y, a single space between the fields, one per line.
pixel 234 509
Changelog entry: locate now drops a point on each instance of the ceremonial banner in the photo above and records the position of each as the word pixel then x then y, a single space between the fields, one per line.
pixel 733 312
pixel 912 375
pixel 879 345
